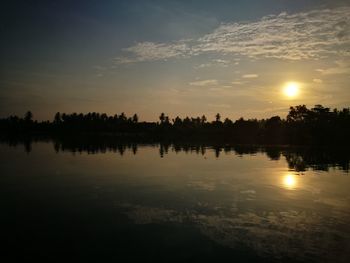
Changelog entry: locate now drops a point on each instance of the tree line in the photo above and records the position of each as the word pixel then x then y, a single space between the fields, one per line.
pixel 317 125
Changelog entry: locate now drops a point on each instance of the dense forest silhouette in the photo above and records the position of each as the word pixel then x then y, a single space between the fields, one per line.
pixel 302 126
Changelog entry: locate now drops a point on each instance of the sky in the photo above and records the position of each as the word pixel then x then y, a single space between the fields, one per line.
pixel 184 58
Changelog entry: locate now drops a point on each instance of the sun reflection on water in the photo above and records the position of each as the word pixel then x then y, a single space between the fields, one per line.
pixel 289 181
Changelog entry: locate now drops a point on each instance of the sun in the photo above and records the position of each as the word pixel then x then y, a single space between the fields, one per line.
pixel 289 181
pixel 291 89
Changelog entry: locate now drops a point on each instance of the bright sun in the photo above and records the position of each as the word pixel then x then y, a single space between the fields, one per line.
pixel 289 181
pixel 291 89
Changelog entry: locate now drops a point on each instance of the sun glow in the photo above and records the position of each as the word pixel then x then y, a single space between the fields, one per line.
pixel 291 89
pixel 290 181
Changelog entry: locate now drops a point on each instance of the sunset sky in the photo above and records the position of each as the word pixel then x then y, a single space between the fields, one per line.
pixel 248 58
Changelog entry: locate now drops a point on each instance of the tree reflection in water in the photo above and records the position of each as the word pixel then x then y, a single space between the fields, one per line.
pixel 298 158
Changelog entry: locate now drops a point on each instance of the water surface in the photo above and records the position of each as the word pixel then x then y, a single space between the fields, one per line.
pixel 171 203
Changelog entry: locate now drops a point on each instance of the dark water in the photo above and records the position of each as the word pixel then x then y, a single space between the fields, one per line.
pixel 174 203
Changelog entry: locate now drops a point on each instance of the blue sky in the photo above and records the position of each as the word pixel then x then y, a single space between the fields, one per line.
pixel 180 57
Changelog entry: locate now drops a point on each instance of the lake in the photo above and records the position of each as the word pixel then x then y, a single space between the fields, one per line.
pixel 173 202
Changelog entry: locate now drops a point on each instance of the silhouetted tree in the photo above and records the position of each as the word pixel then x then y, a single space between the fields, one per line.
pixel 217 117
pixel 227 122
pixel 318 125
pixel 135 118
pixel 177 121
pixel 203 119
pixel 166 121
pixel 162 118
pixel 28 117
pixel 297 114
pixel 57 118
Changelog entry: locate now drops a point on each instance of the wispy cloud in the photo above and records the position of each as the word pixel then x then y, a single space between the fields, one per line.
pixel 318 81
pixel 216 63
pixel 237 82
pixel 306 35
pixel 208 82
pixel 250 76
pixel 149 51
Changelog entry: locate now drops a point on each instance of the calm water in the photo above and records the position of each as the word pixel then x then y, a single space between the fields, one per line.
pixel 173 203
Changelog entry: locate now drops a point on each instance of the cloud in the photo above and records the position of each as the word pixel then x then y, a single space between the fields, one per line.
pixel 208 82
pixel 306 35
pixel 341 67
pixel 250 76
pixel 149 51
pixel 204 65
pixel 214 62
pixel 319 81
